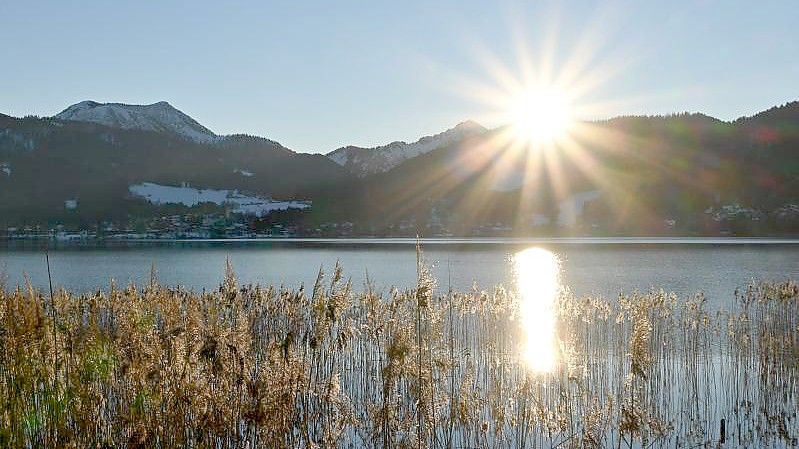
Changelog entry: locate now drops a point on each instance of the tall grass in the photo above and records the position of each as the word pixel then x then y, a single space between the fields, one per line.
pixel 252 366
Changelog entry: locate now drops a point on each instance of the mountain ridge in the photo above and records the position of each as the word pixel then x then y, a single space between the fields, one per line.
pixel 159 116
pixel 647 170
pixel 367 161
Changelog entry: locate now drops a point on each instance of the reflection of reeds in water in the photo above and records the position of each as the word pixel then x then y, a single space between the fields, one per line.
pixel 272 367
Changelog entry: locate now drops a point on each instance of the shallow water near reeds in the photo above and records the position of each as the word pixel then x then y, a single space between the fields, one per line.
pixel 590 266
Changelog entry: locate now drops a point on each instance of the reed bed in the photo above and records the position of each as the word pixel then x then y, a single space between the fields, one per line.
pixel 252 366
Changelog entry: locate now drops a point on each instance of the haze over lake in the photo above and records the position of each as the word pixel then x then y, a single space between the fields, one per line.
pixel 587 266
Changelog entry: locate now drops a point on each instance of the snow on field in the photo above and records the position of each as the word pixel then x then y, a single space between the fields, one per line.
pixel 245 173
pixel 190 196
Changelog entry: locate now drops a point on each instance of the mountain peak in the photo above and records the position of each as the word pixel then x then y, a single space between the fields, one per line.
pixel 365 161
pixel 158 117
pixel 469 125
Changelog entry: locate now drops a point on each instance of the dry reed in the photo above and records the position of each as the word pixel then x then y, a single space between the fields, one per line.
pixel 251 366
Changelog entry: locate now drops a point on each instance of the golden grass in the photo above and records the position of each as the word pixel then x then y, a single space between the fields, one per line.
pixel 271 367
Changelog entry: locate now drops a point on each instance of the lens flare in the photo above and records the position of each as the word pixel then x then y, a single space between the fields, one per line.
pixel 542 101
pixel 537 279
pixel 541 115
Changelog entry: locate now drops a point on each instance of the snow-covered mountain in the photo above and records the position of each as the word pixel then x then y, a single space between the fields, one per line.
pixel 366 161
pixel 159 117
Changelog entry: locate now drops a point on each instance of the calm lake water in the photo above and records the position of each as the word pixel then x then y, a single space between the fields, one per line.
pixel 587 266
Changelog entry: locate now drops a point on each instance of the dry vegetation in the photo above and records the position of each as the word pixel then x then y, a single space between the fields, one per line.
pixel 333 367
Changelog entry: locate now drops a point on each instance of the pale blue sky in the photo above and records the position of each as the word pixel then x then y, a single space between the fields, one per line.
pixel 316 76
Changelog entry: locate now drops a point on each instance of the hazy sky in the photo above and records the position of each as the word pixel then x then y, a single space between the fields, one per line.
pixel 316 76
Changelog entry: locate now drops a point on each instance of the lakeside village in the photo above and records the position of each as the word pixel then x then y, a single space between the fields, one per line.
pixel 728 220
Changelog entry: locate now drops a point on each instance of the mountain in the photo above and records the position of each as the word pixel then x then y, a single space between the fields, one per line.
pixel 681 174
pixel 777 116
pixel 367 161
pixel 157 117
pixel 49 163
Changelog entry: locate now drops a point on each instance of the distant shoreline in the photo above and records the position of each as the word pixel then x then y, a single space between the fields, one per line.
pixel 401 241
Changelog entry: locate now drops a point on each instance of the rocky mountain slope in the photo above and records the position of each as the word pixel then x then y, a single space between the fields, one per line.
pixel 368 161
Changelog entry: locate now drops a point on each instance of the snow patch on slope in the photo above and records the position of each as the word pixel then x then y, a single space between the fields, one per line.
pixel 5 168
pixel 364 161
pixel 189 196
pixel 13 140
pixel 157 117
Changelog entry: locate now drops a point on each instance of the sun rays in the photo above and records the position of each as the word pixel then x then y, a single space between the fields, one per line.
pixel 544 144
pixel 543 103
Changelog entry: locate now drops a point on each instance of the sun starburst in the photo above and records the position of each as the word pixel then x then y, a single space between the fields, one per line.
pixel 541 115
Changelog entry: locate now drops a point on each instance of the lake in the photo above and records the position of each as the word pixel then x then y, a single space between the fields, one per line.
pixel 501 369
pixel 598 266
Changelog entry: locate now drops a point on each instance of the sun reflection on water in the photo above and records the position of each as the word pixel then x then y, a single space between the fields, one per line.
pixel 537 279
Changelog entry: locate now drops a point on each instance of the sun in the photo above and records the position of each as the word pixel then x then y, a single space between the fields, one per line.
pixel 541 115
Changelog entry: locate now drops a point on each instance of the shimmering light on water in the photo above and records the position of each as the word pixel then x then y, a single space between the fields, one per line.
pixel 537 279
